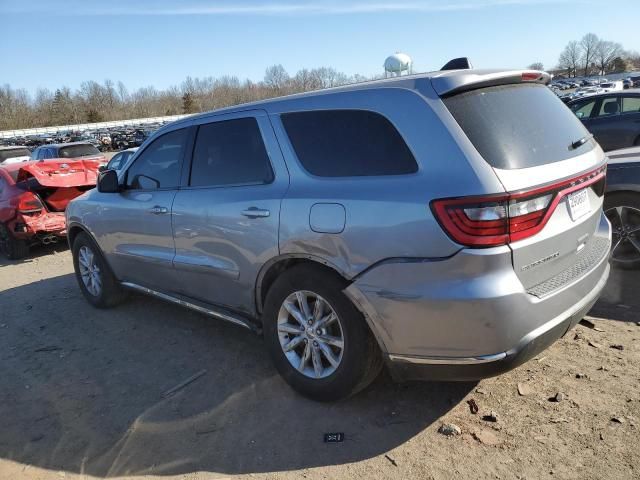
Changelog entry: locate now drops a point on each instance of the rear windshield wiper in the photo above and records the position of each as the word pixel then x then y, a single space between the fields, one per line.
pixel 579 143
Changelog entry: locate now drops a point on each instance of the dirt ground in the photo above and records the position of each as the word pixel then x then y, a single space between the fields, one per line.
pixel 83 394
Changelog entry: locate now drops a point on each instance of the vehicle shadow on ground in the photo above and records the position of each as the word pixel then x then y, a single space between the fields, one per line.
pixel 83 390
pixel 620 299
pixel 36 251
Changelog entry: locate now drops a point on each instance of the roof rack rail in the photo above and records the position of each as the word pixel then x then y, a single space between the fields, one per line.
pixel 462 63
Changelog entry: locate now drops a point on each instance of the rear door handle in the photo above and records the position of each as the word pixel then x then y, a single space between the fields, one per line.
pixel 254 212
pixel 158 210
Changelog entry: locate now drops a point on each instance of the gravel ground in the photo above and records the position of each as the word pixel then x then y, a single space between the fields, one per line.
pixel 83 394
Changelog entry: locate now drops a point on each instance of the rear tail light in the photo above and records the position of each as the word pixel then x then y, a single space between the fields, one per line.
pixel 29 203
pixel 493 220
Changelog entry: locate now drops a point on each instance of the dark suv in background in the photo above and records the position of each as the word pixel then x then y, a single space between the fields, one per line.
pixel 613 118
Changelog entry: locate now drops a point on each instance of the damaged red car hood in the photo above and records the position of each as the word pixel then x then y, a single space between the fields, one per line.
pixel 60 173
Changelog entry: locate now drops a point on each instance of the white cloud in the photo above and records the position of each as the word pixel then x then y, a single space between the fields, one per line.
pixel 270 8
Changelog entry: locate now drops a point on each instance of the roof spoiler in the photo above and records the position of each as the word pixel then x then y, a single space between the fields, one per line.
pixel 462 63
pixel 452 82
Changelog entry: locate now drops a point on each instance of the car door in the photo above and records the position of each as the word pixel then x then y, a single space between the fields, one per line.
pixel 605 123
pixel 226 219
pixel 134 226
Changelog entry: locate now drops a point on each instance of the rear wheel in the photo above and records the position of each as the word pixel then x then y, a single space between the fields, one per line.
pixel 98 285
pixel 623 211
pixel 319 342
pixel 13 248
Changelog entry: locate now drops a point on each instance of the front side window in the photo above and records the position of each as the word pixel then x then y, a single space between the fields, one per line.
pixel 348 143
pixel 583 110
pixel 116 162
pixel 630 104
pixel 158 166
pixel 230 152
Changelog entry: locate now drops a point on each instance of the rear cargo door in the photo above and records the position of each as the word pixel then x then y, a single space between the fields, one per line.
pixel 539 149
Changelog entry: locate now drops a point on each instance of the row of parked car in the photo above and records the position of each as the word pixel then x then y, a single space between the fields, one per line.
pixel 106 139
pixel 448 228
pixel 603 83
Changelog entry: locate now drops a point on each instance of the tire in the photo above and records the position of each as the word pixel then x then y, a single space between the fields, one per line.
pixel 109 293
pixel 623 209
pixel 13 248
pixel 360 360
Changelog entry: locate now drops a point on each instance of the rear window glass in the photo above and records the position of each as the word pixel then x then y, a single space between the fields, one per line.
pixel 74 151
pixel 518 126
pixel 348 143
pixel 13 153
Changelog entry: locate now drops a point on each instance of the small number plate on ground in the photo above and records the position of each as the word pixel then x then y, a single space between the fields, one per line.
pixel 579 204
pixel 334 437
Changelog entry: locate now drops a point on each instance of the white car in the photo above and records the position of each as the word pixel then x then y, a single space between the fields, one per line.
pixel 15 154
pixel 611 86
pixel 585 92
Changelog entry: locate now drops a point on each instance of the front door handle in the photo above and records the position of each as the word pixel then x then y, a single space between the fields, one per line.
pixel 254 212
pixel 158 210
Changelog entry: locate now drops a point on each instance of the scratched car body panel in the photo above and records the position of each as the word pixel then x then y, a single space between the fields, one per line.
pixel 467 244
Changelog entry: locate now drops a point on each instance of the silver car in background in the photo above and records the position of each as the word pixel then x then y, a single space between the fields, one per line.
pixel 448 225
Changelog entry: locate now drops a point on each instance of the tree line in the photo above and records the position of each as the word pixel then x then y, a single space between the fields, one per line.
pixel 97 102
pixel 592 55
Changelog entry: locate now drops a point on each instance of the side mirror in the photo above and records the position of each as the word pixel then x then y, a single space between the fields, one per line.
pixel 102 168
pixel 108 182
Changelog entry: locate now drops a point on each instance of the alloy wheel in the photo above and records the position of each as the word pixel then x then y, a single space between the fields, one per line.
pixel 89 271
pixel 625 223
pixel 310 334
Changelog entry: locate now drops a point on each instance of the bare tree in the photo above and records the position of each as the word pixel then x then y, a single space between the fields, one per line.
pixel 536 66
pixel 588 44
pixel 570 58
pixel 276 77
pixel 633 59
pixel 605 53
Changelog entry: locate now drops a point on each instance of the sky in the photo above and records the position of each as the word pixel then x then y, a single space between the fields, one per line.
pixel 54 43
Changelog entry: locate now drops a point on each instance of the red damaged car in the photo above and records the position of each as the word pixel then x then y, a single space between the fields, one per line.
pixel 33 197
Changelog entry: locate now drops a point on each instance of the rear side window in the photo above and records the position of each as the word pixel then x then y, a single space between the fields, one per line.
pixel 230 152
pixel 518 126
pixel 630 104
pixel 348 143
pixel 609 106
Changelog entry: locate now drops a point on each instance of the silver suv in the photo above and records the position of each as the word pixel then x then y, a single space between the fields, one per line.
pixel 448 225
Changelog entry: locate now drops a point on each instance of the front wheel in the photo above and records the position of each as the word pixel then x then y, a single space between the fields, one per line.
pixel 98 285
pixel 623 211
pixel 318 340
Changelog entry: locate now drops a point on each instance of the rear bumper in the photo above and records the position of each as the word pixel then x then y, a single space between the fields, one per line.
pixel 406 368
pixel 48 223
pixel 469 316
